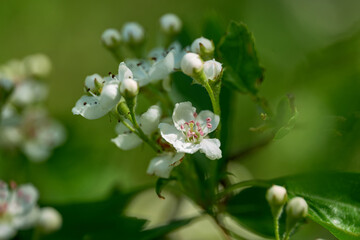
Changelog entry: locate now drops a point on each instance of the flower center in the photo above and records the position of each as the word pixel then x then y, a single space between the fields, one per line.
pixel 194 130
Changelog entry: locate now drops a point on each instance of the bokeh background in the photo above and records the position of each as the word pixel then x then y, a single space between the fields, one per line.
pixel 308 48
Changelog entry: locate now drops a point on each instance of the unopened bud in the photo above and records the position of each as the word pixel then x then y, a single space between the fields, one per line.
pixel 170 23
pixel 129 88
pixel 111 38
pixel 133 33
pixel 212 69
pixel 204 47
pixel 191 64
pixel 50 219
pixel 297 208
pixel 276 197
pixel 93 83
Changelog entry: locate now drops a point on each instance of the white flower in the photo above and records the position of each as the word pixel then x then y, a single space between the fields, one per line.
pixel 29 92
pixel 191 63
pixel 161 64
pixel 96 106
pixel 148 122
pixel 90 84
pixel 129 88
pixel 38 65
pixel 132 32
pixel 111 38
pixel 297 208
pixel 170 23
pixel 162 165
pixel 276 195
pixel 212 69
pixel 18 209
pixel 190 131
pixel 49 219
pixel 204 44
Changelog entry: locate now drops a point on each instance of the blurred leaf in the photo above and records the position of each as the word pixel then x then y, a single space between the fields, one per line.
pixel 160 184
pixel 333 199
pixel 213 28
pixel 285 117
pixel 242 68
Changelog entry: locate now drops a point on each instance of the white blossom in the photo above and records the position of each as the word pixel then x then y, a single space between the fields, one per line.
pixel 90 84
pixel 133 32
pixel 190 130
pixel 162 165
pixel 202 43
pixel 129 88
pixel 212 69
pixel 49 219
pixel 111 38
pixel 191 63
pixel 170 23
pixel 29 92
pixel 38 65
pixel 148 122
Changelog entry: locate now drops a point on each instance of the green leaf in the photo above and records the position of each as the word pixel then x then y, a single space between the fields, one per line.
pixel 285 118
pixel 333 199
pixel 160 184
pixel 242 68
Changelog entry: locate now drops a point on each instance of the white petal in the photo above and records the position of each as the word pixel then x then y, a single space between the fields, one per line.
pixel 36 151
pixel 124 72
pixel 183 112
pixel 139 69
pixel 7 231
pixel 163 67
pixel 162 165
pixel 211 148
pixel 127 141
pixel 120 128
pixel 177 139
pixel 149 121
pixel 23 199
pixel 202 119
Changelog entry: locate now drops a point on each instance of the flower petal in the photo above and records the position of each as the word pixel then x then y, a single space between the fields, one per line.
pixel 203 118
pixel 127 141
pixel 211 148
pixel 177 139
pixel 139 69
pixel 162 165
pixel 149 121
pixel 124 72
pixel 183 112
pixel 7 231
pixel 162 68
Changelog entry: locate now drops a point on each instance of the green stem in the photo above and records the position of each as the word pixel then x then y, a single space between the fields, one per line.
pixel 287 236
pixel 214 100
pixel 276 228
pixel 249 183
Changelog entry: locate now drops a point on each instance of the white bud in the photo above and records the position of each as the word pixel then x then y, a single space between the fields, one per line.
pixel 276 195
pixel 49 220
pixel 133 32
pixel 191 63
pixel 212 69
pixel 297 208
pixel 170 23
pixel 111 38
pixel 202 44
pixel 92 82
pixel 38 65
pixel 129 88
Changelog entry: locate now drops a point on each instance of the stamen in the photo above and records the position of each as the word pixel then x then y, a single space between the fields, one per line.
pixel 209 125
pixel 195 114
pixel 208 119
pixel 182 127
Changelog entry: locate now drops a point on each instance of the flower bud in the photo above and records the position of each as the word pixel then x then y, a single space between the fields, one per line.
pixel 93 83
pixel 49 220
pixel 204 47
pixel 38 65
pixel 212 69
pixel 133 33
pixel 111 38
pixel 129 88
pixel 170 24
pixel 276 195
pixel 297 208
pixel 191 64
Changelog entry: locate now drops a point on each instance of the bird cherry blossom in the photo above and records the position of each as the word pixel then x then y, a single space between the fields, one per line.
pixel 190 130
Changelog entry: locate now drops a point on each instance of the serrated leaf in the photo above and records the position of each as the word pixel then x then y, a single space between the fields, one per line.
pixel 242 67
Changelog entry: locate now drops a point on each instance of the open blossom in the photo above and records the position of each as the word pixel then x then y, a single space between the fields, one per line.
pixel 18 209
pixel 96 106
pixel 158 66
pixel 148 122
pixel 162 165
pixel 190 130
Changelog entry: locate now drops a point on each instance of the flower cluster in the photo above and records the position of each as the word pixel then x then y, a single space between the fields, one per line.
pixel 116 94
pixel 19 210
pixel 25 124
